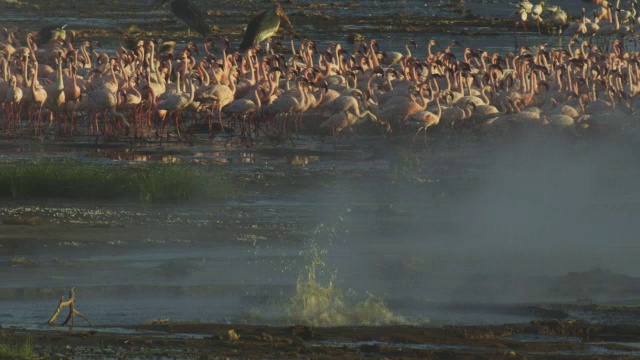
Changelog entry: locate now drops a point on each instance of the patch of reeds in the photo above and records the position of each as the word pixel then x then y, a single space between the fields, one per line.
pixel 22 350
pixel 78 180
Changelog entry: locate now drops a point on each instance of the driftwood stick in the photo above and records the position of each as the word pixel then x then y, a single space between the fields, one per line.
pixel 57 312
pixel 156 322
pixel 72 298
pixel 70 316
pixel 82 316
pixel 72 310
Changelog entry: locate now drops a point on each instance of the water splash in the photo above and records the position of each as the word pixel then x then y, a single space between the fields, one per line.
pixel 321 303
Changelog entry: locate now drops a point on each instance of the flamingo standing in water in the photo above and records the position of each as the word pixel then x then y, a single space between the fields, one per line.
pixel 55 93
pixel 426 119
pixel 217 96
pixel 520 18
pixel 559 18
pixel 245 109
pixel 536 14
pixel 14 97
pixel 38 97
pixel 174 104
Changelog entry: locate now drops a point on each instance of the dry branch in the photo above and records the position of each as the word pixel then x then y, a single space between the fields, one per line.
pixel 156 322
pixel 72 310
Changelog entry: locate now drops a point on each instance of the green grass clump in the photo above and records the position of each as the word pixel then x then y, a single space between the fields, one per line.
pixel 77 180
pixel 23 350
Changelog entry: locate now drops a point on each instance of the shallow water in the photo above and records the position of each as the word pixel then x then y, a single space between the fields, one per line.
pixel 392 23
pixel 418 244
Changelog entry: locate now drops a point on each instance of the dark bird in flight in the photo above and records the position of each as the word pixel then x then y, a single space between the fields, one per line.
pixel 190 15
pixel 263 26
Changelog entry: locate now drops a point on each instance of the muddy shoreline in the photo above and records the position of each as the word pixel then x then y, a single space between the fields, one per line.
pixel 535 340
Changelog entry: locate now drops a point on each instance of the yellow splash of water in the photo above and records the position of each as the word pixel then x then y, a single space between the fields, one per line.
pixel 317 304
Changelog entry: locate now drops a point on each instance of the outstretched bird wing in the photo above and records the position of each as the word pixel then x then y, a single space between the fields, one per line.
pixel 190 15
pixel 260 27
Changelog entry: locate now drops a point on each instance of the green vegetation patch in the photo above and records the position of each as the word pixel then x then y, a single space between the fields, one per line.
pixel 78 180
pixel 22 350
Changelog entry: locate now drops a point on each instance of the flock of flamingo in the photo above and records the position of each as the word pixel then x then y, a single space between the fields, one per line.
pixel 150 90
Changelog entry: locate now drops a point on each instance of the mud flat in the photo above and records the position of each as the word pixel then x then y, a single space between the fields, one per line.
pixel 537 340
pixel 390 23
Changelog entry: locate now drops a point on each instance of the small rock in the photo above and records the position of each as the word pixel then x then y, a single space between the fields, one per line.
pixel 169 159
pixel 355 38
pixel 211 12
pixel 369 348
pixel 21 261
pixel 304 332
pixel 11 2
pixel 32 220
pixel 233 335
pixel 297 160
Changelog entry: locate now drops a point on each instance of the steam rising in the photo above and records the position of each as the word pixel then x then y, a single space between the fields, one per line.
pixel 325 305
pixel 500 220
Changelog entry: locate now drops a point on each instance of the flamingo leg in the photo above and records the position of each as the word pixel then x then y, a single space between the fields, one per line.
pixel 19 117
pixel 135 123
pixel 12 121
pixel 211 124
pixel 73 121
pixel 162 122
pixel 37 127
pixel 524 25
pixel 9 116
pixel 220 120
pixel 249 120
pixel 178 117
pixel 97 124
pixel 425 141
pixel 415 136
pixel 299 120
